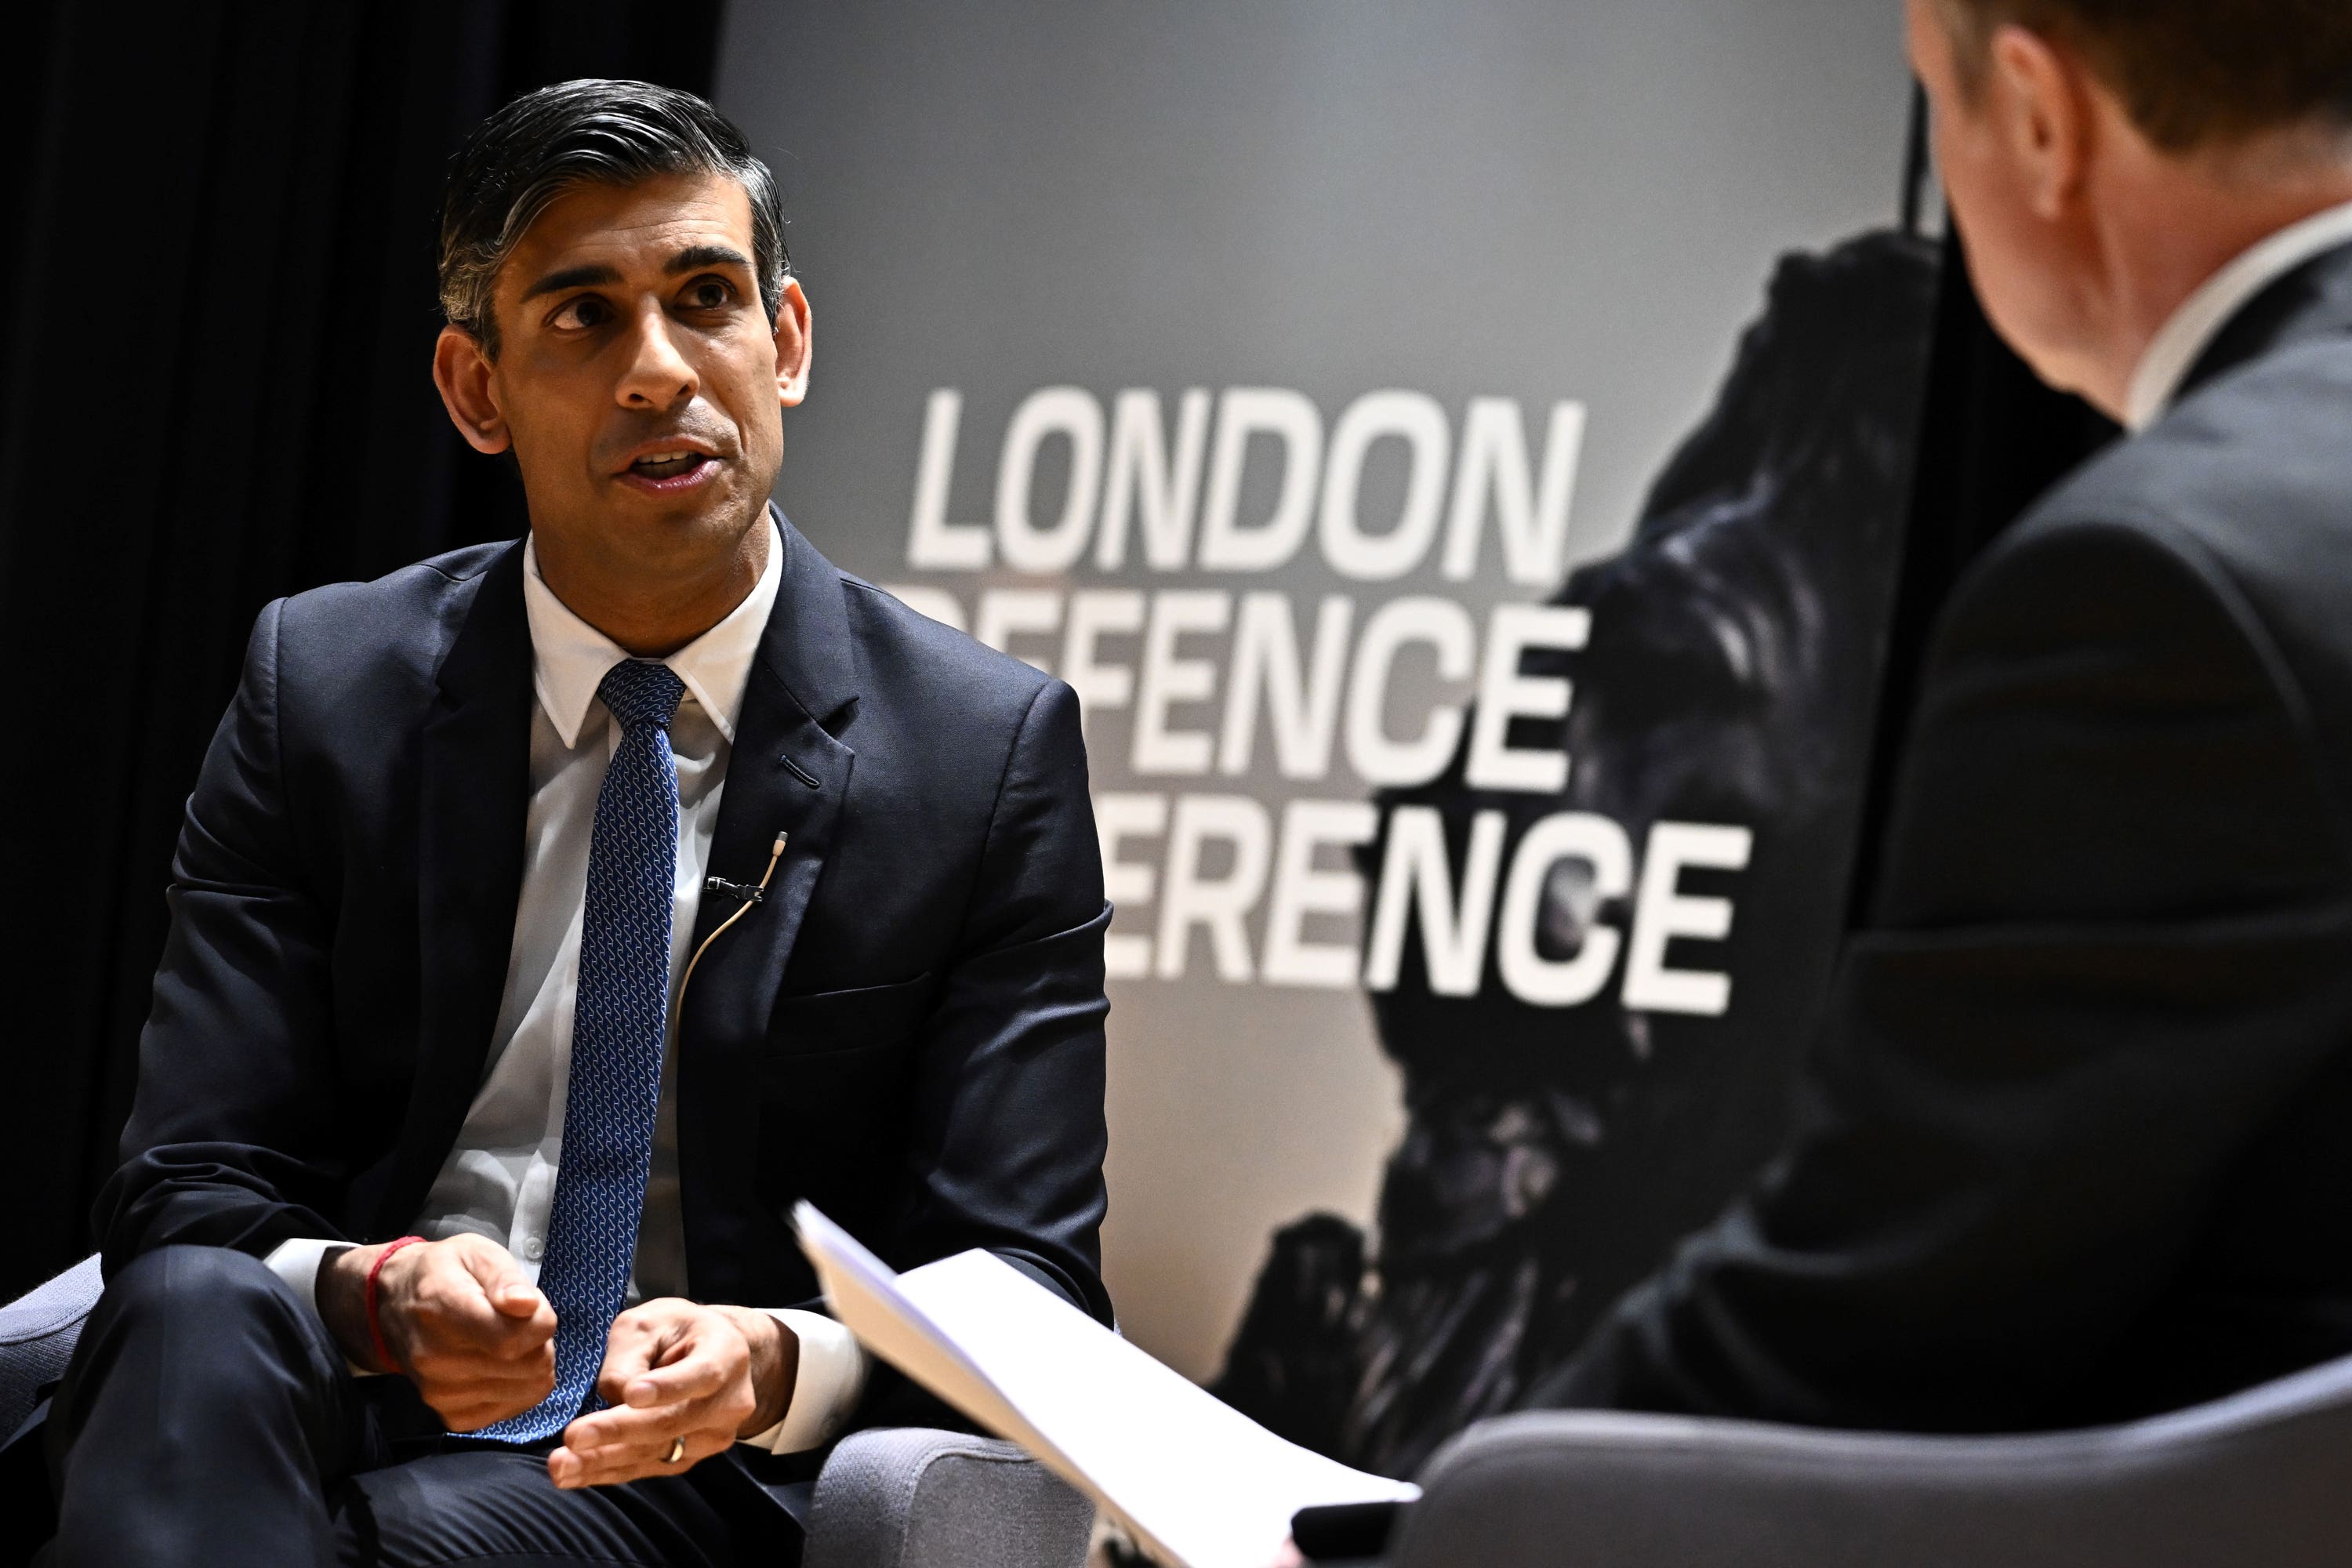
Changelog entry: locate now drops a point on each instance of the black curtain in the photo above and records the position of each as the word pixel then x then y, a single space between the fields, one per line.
pixel 214 390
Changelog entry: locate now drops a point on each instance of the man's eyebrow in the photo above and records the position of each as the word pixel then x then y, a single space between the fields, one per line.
pixel 694 257
pixel 570 277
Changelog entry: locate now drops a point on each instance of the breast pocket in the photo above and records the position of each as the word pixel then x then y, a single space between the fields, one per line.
pixel 862 1018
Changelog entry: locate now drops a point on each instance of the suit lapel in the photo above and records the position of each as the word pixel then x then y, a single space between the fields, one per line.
pixel 474 792
pixel 786 772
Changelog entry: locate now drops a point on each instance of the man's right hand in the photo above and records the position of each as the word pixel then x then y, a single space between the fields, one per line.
pixel 461 1322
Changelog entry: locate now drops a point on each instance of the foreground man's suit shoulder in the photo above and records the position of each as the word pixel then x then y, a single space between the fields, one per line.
pixel 906 1030
pixel 2071 1148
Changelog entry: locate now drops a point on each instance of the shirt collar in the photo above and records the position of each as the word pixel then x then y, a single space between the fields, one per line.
pixel 2178 345
pixel 570 657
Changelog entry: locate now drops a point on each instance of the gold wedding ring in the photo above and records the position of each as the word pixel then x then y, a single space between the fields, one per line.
pixel 676 1450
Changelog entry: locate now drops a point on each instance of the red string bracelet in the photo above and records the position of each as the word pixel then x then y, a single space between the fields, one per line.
pixel 375 1329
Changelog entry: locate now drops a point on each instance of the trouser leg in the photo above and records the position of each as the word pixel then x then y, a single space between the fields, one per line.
pixel 203 1418
pixel 497 1509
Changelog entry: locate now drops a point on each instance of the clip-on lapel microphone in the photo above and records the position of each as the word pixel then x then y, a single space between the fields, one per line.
pixel 746 897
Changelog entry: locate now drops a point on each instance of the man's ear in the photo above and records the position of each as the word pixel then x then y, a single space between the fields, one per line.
pixel 2041 97
pixel 793 345
pixel 462 371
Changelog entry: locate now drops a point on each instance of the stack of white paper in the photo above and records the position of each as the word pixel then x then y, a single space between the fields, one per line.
pixel 1195 1482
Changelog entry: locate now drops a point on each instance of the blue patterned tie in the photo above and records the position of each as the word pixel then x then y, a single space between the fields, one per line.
pixel 617 1025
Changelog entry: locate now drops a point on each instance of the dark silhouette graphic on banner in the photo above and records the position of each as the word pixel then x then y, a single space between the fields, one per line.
pixel 1552 1152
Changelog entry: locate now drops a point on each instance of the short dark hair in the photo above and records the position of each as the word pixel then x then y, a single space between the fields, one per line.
pixel 590 131
pixel 2197 71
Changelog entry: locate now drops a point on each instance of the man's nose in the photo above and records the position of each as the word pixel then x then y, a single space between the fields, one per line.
pixel 657 376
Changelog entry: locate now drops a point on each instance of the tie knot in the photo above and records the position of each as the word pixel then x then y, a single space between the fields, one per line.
pixel 640 692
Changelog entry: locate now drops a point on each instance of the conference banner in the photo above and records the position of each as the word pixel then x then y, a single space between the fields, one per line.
pixel 1459 454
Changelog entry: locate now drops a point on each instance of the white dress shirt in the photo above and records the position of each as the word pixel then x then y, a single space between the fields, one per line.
pixel 500 1179
pixel 2183 339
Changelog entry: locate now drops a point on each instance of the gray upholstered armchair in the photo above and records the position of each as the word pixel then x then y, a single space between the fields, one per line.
pixel 2263 1477
pixel 899 1498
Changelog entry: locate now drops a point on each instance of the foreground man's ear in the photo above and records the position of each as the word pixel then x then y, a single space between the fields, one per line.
pixel 462 371
pixel 2042 101
pixel 794 346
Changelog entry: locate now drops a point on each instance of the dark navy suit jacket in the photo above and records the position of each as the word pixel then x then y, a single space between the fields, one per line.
pixel 2075 1145
pixel 908 1032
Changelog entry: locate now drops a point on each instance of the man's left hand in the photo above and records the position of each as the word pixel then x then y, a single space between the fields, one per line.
pixel 674 1369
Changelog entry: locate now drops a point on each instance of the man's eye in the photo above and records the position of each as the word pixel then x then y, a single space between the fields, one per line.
pixel 586 311
pixel 709 294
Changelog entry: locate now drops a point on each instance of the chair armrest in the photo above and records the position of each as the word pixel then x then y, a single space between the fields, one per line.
pixel 37 1335
pixel 906 1497
pixel 1580 1489
pixel 2257 1477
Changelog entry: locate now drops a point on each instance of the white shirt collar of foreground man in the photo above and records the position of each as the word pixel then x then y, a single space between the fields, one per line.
pixel 570 657
pixel 2182 341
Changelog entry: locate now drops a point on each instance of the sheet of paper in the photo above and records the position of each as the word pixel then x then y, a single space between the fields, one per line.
pixel 1198 1484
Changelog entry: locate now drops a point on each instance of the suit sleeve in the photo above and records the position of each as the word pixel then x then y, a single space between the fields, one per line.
pixel 222 1147
pixel 2107 945
pixel 1008 1130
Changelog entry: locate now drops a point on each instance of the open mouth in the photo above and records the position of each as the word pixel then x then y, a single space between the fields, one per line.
pixel 663 466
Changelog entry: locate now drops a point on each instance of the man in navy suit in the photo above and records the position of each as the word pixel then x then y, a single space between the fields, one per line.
pixel 550 917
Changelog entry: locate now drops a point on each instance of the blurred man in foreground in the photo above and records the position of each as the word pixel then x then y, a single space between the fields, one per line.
pixel 2072 1144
